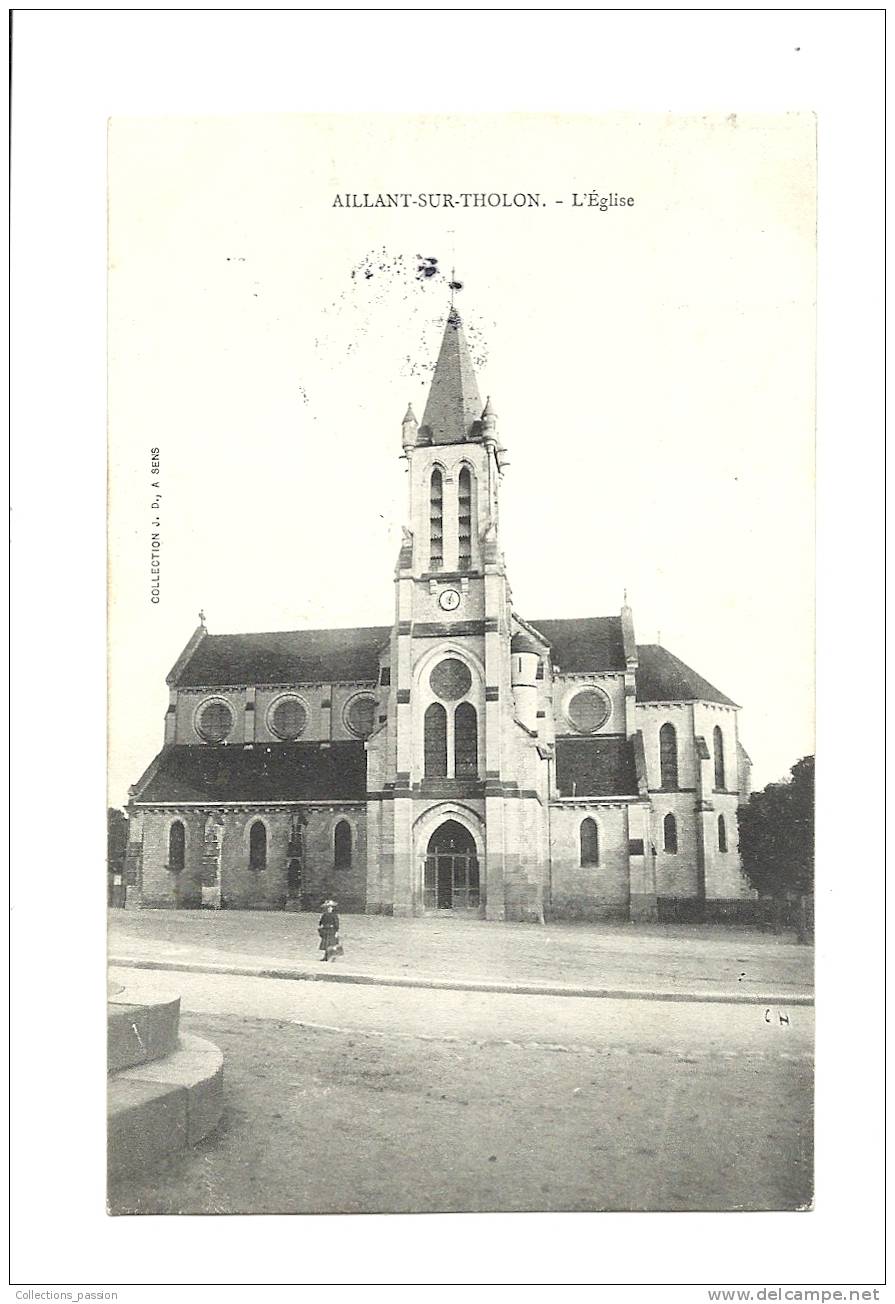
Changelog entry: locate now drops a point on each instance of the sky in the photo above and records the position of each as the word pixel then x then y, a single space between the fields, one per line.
pixel 651 365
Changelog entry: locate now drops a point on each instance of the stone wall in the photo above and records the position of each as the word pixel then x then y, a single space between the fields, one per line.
pixel 650 719
pixel 216 862
pixel 589 891
pixel 566 686
pixel 321 879
pixel 677 873
pixel 723 869
pixel 324 705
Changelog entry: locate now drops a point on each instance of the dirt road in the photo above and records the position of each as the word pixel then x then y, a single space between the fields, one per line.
pixel 363 1099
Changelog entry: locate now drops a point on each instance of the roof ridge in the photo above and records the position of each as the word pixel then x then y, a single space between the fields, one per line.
pixel 317 629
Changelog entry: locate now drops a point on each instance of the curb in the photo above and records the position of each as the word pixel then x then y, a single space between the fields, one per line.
pixel 158 1109
pixel 470 985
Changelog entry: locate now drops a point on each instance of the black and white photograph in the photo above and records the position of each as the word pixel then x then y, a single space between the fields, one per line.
pixel 447 519
pixel 452 664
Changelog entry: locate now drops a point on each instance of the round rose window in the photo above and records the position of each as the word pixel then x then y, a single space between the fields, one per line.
pixel 360 716
pixel 287 718
pixel 214 722
pixel 450 680
pixel 589 710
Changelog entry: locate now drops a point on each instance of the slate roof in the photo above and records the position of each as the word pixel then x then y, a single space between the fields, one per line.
pixel 663 677
pixel 453 408
pixel 521 642
pixel 303 656
pixel 265 772
pixel 595 767
pixel 593 643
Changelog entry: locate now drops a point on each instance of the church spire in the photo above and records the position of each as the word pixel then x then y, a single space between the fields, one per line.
pixel 454 408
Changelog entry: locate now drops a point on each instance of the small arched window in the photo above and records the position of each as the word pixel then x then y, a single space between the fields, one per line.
pixel 342 845
pixel 669 834
pixel 464 519
pixel 258 846
pixel 435 741
pixel 718 739
pixel 722 833
pixel 176 846
pixel 668 756
pixel 590 842
pixel 436 521
pixel 466 741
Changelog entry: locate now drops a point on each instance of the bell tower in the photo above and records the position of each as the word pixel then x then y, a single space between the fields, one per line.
pixel 450 653
pixel 455 462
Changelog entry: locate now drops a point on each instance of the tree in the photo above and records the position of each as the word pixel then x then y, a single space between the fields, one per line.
pixel 116 845
pixel 777 834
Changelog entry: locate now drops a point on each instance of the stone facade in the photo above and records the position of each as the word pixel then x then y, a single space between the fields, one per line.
pixel 461 760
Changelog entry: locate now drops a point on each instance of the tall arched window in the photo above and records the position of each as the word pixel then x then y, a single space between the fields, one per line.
pixel 466 741
pixel 668 756
pixel 590 842
pixel 435 741
pixel 719 756
pixel 436 521
pixel 258 846
pixel 722 833
pixel 669 834
pixel 342 845
pixel 176 845
pixel 464 519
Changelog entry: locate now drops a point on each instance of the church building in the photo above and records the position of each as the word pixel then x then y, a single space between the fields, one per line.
pixel 464 759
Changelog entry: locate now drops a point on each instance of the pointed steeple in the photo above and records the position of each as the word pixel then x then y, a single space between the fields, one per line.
pixel 453 409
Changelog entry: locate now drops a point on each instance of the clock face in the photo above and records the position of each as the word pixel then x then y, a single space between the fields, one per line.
pixel 449 599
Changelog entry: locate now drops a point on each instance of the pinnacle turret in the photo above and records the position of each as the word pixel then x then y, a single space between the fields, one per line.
pixel 409 427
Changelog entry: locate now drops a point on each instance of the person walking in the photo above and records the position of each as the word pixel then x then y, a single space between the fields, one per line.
pixel 328 928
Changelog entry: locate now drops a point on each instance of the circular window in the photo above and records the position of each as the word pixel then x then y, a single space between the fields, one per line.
pixel 588 710
pixel 450 680
pixel 214 720
pixel 360 716
pixel 287 718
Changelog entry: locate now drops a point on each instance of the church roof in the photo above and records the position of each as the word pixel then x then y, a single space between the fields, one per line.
pixel 302 656
pixel 593 643
pixel 595 767
pixel 522 642
pixel 596 644
pixel 454 408
pixel 265 772
pixel 663 677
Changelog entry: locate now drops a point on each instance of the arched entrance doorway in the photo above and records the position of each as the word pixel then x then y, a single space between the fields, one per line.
pixel 451 874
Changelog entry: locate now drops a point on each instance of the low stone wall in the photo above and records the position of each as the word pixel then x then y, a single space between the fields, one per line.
pixel 765 912
pixel 581 908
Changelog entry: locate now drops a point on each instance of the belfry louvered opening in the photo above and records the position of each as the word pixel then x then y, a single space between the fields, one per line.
pixel 464 519
pixel 436 521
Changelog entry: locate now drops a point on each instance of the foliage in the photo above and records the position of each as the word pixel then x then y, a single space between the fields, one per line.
pixel 777 834
pixel 116 825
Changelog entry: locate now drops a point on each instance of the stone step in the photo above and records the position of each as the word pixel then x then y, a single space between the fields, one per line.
pixel 159 1108
pixel 139 1031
